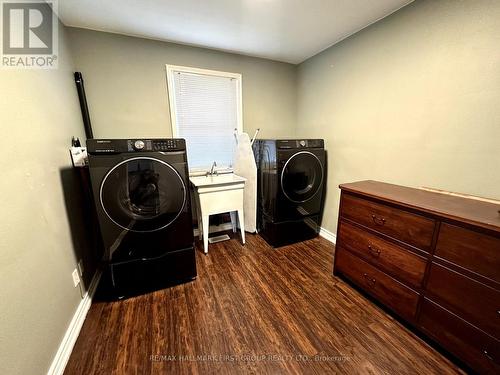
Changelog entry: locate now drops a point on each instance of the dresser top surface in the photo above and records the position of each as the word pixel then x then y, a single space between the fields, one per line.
pixel 471 211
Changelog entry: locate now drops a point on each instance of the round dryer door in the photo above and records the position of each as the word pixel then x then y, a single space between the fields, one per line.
pixel 301 177
pixel 143 194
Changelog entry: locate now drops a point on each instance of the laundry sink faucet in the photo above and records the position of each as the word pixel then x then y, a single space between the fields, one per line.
pixel 212 170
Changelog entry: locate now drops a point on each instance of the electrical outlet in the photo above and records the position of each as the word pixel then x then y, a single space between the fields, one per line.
pixel 80 267
pixel 76 278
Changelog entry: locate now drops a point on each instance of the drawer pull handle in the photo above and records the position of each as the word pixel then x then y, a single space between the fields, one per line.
pixel 488 355
pixel 378 220
pixel 373 251
pixel 370 280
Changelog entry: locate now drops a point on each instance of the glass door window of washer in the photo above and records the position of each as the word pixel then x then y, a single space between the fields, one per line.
pixel 143 194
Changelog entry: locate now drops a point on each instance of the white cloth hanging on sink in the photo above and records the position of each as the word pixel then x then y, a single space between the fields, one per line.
pixel 244 166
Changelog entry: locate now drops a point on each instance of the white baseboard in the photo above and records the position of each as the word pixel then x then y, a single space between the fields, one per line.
pixel 215 228
pixel 68 342
pixel 327 235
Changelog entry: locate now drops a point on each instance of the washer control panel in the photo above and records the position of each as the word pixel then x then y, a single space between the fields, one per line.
pixel 168 144
pixel 139 145
pixel 113 146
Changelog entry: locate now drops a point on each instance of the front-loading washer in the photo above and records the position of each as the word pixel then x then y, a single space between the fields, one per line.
pixel 142 198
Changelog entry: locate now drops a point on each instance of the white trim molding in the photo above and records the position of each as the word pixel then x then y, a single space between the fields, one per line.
pixel 467 196
pixel 68 342
pixel 327 235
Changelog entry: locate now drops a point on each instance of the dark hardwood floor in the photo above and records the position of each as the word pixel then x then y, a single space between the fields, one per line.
pixel 253 309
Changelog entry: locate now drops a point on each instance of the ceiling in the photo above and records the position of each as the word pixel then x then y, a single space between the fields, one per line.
pixel 284 30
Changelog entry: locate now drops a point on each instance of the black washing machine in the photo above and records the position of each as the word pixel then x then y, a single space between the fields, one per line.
pixel 291 184
pixel 142 199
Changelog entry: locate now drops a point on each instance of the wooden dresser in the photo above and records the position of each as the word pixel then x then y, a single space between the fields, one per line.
pixel 433 259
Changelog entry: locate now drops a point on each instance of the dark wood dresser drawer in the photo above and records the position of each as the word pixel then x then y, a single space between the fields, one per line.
pixel 402 225
pixel 472 300
pixel 468 343
pixel 395 260
pixel 444 247
pixel 475 251
pixel 389 291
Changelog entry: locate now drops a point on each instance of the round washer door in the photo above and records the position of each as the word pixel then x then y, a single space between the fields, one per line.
pixel 301 177
pixel 143 194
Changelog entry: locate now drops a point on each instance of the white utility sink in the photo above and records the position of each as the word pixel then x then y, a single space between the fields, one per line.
pixel 212 180
pixel 216 194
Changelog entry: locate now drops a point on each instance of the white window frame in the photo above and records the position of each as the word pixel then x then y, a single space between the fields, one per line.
pixel 172 69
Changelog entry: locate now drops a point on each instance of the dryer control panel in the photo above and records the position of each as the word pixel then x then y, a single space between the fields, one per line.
pixel 112 146
pixel 299 143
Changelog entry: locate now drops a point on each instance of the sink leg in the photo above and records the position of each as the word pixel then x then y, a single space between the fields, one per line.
pixel 205 220
pixel 233 221
pixel 241 220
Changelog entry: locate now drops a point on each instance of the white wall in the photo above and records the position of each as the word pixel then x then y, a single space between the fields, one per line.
pixel 125 82
pixel 39 113
pixel 412 100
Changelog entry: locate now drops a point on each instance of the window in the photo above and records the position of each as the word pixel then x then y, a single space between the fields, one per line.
pixel 205 109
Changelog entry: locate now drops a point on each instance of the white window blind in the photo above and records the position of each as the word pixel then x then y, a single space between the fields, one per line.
pixel 206 115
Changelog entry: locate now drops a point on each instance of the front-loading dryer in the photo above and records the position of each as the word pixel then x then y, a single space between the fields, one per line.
pixel 142 199
pixel 291 185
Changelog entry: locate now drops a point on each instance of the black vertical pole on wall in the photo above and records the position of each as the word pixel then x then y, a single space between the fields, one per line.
pixel 83 105
pixel 92 248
